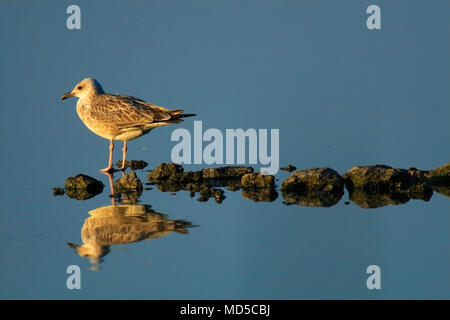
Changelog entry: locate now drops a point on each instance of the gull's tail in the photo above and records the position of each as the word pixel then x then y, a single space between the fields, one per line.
pixel 176 114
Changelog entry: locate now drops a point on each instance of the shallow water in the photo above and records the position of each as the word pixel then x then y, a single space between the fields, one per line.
pixel 340 95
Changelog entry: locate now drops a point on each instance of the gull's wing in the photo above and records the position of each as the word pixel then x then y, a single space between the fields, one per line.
pixel 126 111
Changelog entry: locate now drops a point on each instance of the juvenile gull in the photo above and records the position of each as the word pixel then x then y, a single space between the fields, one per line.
pixel 118 117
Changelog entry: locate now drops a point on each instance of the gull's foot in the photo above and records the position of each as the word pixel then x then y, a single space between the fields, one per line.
pixel 108 170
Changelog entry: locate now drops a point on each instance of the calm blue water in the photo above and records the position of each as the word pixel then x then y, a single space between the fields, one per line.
pixel 340 94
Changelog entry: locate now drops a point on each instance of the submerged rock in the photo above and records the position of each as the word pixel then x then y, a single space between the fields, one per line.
pixel 207 192
pixel 381 185
pixel 288 168
pixel 165 171
pixel 83 187
pixel 316 179
pixel 171 177
pixel 133 164
pixel 316 187
pixel 257 180
pixel 260 195
pixel 368 200
pixel 377 178
pixel 422 191
pixel 58 191
pixel 129 186
pixel 226 172
pixel 258 187
pixel 309 198
pixel 440 175
pixel 128 181
pixel 443 190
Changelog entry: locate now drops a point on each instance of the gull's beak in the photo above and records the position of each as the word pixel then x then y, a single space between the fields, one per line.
pixel 67 95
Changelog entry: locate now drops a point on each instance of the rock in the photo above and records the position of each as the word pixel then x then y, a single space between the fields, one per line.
pixel 310 198
pixel 443 190
pixel 368 200
pixel 58 191
pixel 129 186
pixel 289 168
pixel 416 174
pixel 260 195
pixel 207 192
pixel 317 187
pixel 440 175
pixel 422 191
pixel 83 187
pixel 226 172
pixel 132 164
pixel 165 171
pixel 235 186
pixel 257 180
pixel 170 177
pixel 127 182
pixel 316 179
pixel 377 178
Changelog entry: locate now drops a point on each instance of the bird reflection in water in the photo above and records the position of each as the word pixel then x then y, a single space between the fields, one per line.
pixel 121 224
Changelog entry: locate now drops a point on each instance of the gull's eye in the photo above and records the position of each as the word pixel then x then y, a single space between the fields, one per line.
pixel 79 87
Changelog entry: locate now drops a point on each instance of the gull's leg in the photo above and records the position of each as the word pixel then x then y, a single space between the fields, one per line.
pixel 110 165
pixel 124 155
pixel 111 186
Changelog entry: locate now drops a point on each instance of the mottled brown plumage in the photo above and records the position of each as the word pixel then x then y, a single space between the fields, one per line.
pixel 119 117
pixel 123 224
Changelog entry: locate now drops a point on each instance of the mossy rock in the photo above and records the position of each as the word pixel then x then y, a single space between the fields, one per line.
pixel 288 168
pixel 165 171
pixel 256 180
pixel 311 198
pixel 132 164
pixel 440 175
pixel 421 191
pixel 226 172
pixel 58 191
pixel 313 180
pixel 443 190
pixel 207 192
pixel 367 200
pixel 129 186
pixel 127 182
pixel 260 195
pixel 377 178
pixel 83 187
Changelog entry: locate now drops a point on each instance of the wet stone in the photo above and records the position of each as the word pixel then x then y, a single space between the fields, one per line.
pixel 316 187
pixel 128 181
pixel 226 172
pixel 439 176
pixel 129 187
pixel 368 200
pixel 83 187
pixel 377 178
pixel 315 179
pixel 165 171
pixel 132 164
pixel 308 198
pixel 257 180
pixel 58 191
pixel 260 195
pixel 288 168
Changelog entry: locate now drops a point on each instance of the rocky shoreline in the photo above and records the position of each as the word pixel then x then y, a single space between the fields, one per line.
pixel 371 186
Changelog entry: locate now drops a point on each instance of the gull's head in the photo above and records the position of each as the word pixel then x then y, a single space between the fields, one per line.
pixel 85 88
